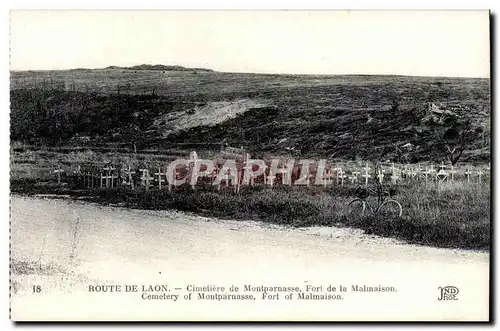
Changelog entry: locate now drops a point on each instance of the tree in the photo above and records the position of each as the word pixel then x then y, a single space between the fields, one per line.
pixel 458 138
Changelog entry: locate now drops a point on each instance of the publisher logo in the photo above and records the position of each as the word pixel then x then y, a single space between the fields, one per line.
pixel 448 293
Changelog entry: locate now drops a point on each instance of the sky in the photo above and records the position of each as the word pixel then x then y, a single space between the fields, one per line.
pixel 418 43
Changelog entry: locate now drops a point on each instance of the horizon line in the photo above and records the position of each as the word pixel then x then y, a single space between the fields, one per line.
pixel 247 72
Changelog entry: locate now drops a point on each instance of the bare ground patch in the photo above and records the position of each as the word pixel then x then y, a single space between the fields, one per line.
pixel 205 114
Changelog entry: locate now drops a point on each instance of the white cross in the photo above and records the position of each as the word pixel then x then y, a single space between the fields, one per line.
pixel 367 173
pixel 480 174
pixel 337 175
pixel 394 176
pixel 442 175
pixel 145 178
pixel 426 173
pixel 380 175
pixel 112 177
pixel 468 172
pixel 432 170
pixel 405 172
pixel 452 173
pixel 354 177
pixel 341 175
pixel 419 172
pixel 413 172
pixel 58 172
pixel 129 173
pixel 270 180
pixel 327 176
pixel 160 180
pixel 109 169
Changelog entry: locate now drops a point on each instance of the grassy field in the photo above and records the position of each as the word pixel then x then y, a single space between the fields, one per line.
pixel 446 215
pixel 152 117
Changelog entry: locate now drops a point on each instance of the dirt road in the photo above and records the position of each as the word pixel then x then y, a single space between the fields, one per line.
pixel 120 246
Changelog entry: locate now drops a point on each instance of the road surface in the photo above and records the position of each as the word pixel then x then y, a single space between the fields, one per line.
pixel 113 245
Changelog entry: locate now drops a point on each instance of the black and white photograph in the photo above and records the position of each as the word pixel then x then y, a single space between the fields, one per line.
pixel 250 165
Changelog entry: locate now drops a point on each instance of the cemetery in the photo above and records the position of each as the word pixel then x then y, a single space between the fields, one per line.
pixel 111 142
pixel 285 174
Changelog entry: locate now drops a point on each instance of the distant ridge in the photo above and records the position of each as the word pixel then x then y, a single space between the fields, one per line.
pixel 158 67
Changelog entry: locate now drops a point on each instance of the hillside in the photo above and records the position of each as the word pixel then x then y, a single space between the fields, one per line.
pixel 159 67
pixel 404 119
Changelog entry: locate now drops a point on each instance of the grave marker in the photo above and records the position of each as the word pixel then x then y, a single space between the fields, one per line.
pixel 442 175
pixel 341 176
pixel 109 170
pixel 129 174
pixel 426 173
pixel 327 177
pixel 432 171
pixel 145 178
pixel 270 179
pixel 468 172
pixel 394 177
pixel 286 175
pixel 480 174
pixel 367 173
pixel 354 177
pixel 452 173
pixel 58 171
pixel 380 175
pixel 413 173
pixel 160 180
pixel 419 172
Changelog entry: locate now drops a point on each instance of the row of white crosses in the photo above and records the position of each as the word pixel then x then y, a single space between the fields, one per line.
pixel 415 173
pixel 90 179
pixel 468 172
pixel 147 180
pixel 106 179
pixel 396 174
pixel 87 176
pixel 443 174
pixel 109 177
pixel 161 177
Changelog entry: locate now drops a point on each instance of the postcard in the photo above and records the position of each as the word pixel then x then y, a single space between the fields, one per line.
pixel 239 165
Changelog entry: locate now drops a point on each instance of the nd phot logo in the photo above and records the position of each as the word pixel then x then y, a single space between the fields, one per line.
pixel 448 293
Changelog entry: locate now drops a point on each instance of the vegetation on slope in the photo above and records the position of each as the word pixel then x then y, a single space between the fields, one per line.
pixel 373 118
